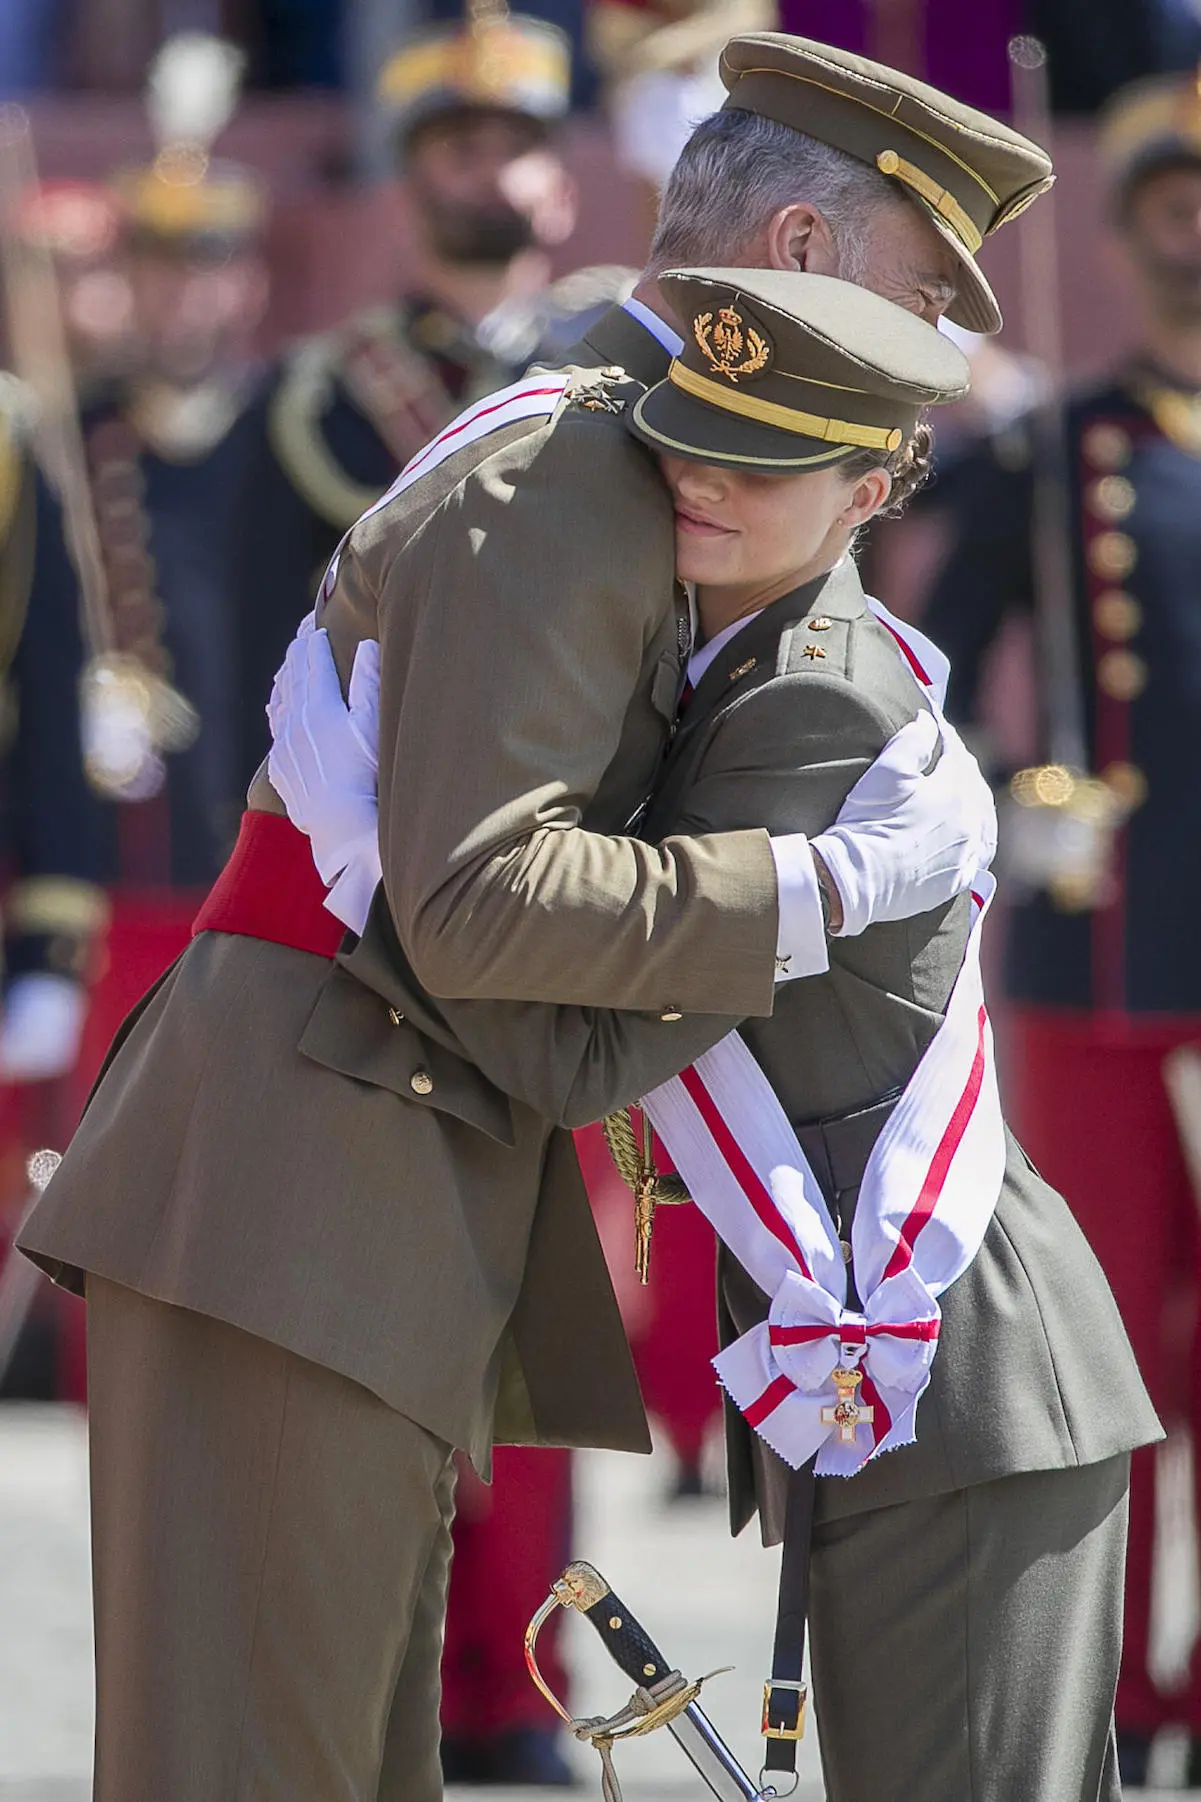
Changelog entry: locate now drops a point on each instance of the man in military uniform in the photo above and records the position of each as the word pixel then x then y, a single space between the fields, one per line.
pixel 1101 995
pixel 472 107
pixel 359 1275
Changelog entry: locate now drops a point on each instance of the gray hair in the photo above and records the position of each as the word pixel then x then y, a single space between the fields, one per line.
pixel 735 173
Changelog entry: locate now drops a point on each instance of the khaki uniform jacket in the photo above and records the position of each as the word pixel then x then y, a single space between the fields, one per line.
pixel 1034 1370
pixel 270 1143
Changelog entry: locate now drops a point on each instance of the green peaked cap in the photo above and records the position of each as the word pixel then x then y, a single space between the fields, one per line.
pixel 788 372
pixel 968 173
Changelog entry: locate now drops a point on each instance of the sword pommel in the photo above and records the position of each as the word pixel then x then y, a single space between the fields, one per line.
pixel 580 1586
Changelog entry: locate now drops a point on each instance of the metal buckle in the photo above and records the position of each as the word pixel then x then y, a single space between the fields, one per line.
pixel 802 1695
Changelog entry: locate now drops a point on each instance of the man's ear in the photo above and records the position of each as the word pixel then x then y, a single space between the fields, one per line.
pixel 799 238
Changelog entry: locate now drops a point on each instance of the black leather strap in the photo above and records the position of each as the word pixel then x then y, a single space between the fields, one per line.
pixel 838 1150
pixel 788 1652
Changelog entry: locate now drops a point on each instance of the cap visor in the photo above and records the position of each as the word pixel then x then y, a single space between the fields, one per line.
pixel 681 426
pixel 975 306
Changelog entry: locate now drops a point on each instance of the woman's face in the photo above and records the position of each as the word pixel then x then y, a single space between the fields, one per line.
pixel 745 529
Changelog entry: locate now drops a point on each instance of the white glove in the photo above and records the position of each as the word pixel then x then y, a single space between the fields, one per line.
pixel 907 839
pixel 42 1027
pixel 324 765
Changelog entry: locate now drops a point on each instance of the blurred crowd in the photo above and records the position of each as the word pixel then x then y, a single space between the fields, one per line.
pixel 169 497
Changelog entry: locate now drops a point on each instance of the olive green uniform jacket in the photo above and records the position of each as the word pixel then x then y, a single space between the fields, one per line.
pixel 270 1143
pixel 1034 1371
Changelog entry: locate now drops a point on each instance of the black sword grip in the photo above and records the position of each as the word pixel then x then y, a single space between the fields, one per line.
pixel 629 1645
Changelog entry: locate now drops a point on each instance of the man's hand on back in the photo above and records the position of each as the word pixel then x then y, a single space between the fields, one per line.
pixel 908 838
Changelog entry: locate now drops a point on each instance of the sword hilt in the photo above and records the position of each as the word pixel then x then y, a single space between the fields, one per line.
pixel 628 1643
pixel 631 1648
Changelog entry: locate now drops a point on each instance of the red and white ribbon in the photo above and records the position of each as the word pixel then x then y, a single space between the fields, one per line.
pixel 928 1193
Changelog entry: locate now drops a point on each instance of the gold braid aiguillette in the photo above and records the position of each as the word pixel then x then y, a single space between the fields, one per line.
pixel 635 1164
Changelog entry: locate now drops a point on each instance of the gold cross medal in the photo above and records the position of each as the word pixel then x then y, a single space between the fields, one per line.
pixel 847 1414
pixel 634 1156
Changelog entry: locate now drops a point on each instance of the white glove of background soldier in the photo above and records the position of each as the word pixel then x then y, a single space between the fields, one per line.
pixel 42 1027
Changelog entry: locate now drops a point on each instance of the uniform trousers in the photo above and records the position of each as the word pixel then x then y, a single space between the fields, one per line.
pixel 965 1646
pixel 1091 1108
pixel 271 1545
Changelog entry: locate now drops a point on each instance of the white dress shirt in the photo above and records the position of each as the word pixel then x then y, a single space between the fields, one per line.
pixel 658 328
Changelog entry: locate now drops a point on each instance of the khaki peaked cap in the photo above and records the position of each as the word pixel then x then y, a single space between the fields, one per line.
pixel 968 173
pixel 783 371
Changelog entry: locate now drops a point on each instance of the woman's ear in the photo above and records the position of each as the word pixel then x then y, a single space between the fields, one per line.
pixel 869 494
pixel 798 239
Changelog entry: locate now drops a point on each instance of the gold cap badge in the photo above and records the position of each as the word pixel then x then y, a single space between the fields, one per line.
pixel 730 346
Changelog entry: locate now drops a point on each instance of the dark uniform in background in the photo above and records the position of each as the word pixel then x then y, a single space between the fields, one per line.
pixel 54 910
pixel 168 451
pixel 103 890
pixel 1101 996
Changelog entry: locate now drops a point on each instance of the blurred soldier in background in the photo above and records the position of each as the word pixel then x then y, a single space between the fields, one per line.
pixel 660 60
pixel 54 910
pixel 53 906
pixel 81 223
pixel 473 106
pixel 104 889
pixel 1104 994
pixel 167 451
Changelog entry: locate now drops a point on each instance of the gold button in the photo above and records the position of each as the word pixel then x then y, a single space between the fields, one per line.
pixel 1113 555
pixel 1107 447
pixel 671 1015
pixel 1117 614
pixel 615 1622
pixel 820 624
pixel 1122 675
pixel 421 1082
pixel 846 1251
pixel 395 1015
pixel 1127 782
pixel 1112 498
pixel 648 1670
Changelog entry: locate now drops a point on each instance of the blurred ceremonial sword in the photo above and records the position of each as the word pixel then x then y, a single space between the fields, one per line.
pixel 19 1279
pixel 664 1697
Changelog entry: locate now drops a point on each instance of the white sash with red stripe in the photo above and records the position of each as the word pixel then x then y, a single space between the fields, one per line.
pixel 928 1194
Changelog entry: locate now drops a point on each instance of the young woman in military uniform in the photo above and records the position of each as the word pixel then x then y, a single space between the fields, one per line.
pixel 965 1592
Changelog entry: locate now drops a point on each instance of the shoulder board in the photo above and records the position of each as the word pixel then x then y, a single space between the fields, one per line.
pixel 537 396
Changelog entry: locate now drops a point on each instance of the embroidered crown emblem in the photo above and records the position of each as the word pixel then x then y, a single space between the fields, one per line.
pixel 730 346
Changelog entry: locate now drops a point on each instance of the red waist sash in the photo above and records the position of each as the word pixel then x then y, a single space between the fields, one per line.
pixel 270 889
